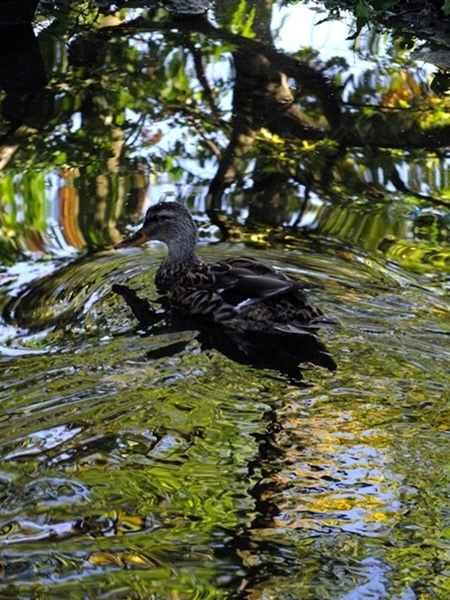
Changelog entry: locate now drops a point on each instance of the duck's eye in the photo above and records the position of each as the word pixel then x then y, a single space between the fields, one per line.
pixel 162 217
pixel 158 218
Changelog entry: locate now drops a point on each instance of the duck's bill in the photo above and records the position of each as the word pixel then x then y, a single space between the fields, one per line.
pixel 136 239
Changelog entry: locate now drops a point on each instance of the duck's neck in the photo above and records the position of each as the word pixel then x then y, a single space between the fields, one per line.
pixel 182 250
pixel 180 260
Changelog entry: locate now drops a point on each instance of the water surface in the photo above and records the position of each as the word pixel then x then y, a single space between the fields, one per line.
pixel 145 462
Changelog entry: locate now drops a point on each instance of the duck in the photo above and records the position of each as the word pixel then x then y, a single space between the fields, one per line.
pixel 239 294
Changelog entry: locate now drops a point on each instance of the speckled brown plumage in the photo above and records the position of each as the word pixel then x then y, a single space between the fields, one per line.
pixel 238 293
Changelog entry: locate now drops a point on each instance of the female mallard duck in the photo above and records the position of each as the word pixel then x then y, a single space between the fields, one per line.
pixel 239 293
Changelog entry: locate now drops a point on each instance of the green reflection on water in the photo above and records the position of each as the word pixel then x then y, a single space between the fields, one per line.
pixel 193 474
pixel 129 472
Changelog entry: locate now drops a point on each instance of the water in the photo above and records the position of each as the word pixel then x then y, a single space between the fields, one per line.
pixel 155 463
pixel 193 474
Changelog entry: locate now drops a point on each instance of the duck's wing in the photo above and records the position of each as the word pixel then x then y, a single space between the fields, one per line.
pixel 242 290
pixel 249 296
pixel 250 265
pixel 268 301
pixel 225 291
pixel 243 282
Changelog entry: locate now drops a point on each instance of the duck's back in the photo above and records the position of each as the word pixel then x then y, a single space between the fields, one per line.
pixel 244 294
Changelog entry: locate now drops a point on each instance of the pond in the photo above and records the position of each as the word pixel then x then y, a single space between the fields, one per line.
pixel 159 460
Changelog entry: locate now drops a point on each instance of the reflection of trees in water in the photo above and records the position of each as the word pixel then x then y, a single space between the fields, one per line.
pixel 254 546
pixel 273 552
pixel 279 140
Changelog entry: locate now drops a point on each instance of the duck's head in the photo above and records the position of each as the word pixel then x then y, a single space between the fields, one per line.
pixel 166 222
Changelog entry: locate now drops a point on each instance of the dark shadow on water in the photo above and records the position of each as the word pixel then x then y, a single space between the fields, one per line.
pixel 282 353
